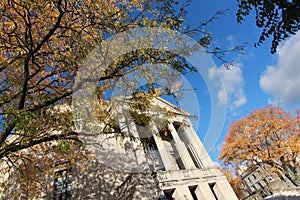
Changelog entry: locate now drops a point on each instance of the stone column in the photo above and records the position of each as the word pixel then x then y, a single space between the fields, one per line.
pixel 203 191
pixel 224 190
pixel 135 155
pixel 181 148
pixel 198 146
pixel 164 154
pixel 199 194
pixel 219 193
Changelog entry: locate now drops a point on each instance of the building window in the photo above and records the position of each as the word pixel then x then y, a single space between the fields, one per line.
pixel 62 188
pixel 260 185
pixel 265 181
pixel 152 154
pixel 212 187
pixel 254 188
pixel 168 194
pixel 249 180
pixel 193 191
pixel 254 176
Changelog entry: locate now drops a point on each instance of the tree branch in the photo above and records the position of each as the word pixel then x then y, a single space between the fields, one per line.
pixel 15 148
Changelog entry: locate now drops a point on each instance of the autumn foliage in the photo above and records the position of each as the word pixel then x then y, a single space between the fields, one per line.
pixel 268 136
pixel 236 183
pixel 43 43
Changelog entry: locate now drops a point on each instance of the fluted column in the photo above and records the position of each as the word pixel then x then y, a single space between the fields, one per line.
pixel 164 154
pixel 181 148
pixel 198 146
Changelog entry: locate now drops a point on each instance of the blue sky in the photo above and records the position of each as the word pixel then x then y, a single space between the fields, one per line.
pixel 260 78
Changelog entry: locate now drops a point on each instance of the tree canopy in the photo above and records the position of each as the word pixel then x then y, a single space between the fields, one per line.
pixel 43 43
pixel 268 136
pixel 277 19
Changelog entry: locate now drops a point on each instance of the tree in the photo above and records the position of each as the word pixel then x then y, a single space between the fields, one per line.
pixel 42 44
pixel 28 173
pixel 236 183
pixel 277 19
pixel 268 137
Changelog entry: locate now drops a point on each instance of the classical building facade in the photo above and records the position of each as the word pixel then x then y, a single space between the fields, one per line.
pixel 159 157
pixel 170 149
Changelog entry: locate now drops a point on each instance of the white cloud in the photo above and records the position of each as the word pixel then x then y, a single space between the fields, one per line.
pixel 282 80
pixel 233 95
pixel 231 41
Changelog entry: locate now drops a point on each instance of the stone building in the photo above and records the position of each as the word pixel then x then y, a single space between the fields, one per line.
pixel 162 158
pixel 170 149
pixel 260 183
